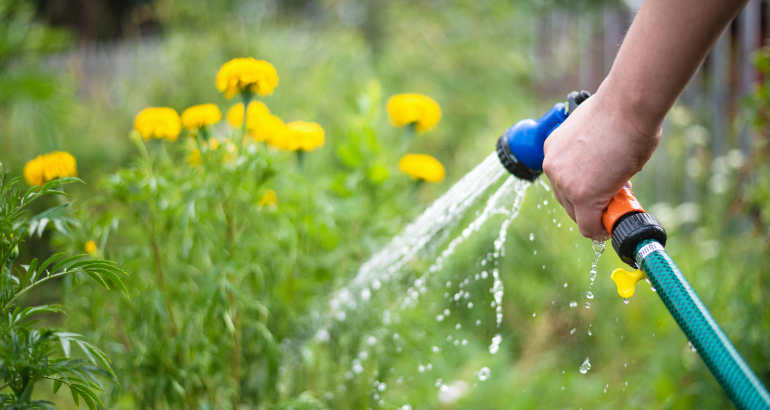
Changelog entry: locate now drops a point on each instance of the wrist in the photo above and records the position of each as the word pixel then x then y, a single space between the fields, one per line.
pixel 642 109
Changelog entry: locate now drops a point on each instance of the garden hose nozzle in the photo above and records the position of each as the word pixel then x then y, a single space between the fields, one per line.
pixel 520 149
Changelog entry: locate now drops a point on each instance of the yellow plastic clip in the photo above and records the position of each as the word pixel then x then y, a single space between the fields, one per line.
pixel 626 281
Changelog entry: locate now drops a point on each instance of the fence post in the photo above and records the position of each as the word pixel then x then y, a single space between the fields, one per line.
pixel 719 69
pixel 750 35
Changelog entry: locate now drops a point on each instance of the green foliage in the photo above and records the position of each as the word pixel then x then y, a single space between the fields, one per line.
pixel 758 104
pixel 27 352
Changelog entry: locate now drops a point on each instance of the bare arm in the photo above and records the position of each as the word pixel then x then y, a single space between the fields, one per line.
pixel 614 133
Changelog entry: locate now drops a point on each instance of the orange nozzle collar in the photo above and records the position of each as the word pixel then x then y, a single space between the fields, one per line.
pixel 621 204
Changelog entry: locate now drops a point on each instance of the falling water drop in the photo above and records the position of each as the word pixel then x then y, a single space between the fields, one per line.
pixel 589 295
pixel 573 304
pixel 625 300
pixel 588 305
pixel 572 332
pixel 585 367
pixel 484 373
pixel 470 305
pixel 440 318
pixel 589 332
pixel 532 237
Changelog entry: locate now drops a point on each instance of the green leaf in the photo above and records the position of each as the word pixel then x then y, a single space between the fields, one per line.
pixel 66 261
pixel 50 260
pixel 32 266
pixel 89 396
pixel 112 277
pixel 56 386
pixel 100 356
pixel 75 397
pixel 95 276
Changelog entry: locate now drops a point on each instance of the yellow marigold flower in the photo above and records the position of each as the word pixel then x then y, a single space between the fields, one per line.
pixel 199 116
pixel 269 198
pixel 422 111
pixel 305 136
pixel 257 112
pixel 273 132
pixel 158 122
pixel 247 74
pixel 91 248
pixel 420 166
pixel 50 166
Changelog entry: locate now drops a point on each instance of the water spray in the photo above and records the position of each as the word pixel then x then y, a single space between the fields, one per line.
pixel 639 239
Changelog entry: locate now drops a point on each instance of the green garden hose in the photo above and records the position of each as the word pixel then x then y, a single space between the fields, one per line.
pixel 724 362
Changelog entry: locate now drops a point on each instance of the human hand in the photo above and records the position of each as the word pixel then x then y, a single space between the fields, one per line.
pixel 589 158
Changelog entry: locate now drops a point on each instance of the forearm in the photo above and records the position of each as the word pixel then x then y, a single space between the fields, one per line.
pixel 667 42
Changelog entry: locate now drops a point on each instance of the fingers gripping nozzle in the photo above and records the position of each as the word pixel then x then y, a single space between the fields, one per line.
pixel 520 148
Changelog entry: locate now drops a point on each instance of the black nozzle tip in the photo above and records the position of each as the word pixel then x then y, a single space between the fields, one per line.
pixel 630 230
pixel 576 98
pixel 512 164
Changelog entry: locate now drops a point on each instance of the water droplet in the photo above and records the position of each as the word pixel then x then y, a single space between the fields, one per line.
pixel 562 388
pixel 589 332
pixel 458 326
pixel 440 318
pixel 406 407
pixel 484 373
pixel 446 312
pixel 421 369
pixel 382 387
pixel 484 275
pixel 435 349
pixel 429 366
pixel 605 388
pixel 495 346
pixel 534 314
pixel 465 342
pixel 371 340
pixel 588 305
pixel 589 295
pixel 439 382
pixel 545 202
pixel 692 347
pixel 585 367
pixel 535 253
pixel 532 237
pixel 470 305
pixel 573 304
pixel 572 332
pixel 478 323
pixel 565 285
pixel 625 300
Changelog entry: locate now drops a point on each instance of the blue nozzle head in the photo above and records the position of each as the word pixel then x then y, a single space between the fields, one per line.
pixel 520 149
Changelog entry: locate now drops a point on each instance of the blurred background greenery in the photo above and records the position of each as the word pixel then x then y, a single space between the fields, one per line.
pixel 73 75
